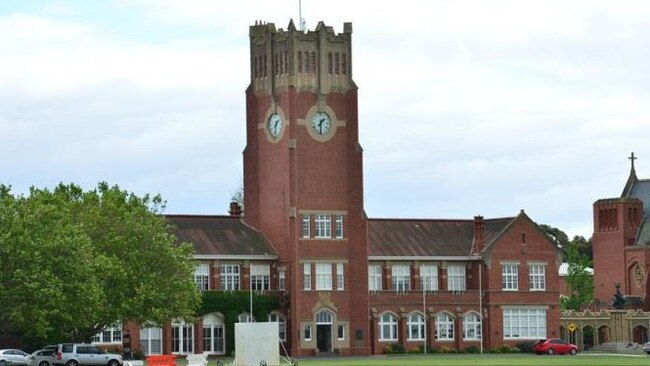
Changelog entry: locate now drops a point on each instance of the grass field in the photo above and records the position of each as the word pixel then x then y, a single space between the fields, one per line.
pixel 585 359
pixel 483 360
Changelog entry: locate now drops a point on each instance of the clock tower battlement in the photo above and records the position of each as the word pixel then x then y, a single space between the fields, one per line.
pixel 318 61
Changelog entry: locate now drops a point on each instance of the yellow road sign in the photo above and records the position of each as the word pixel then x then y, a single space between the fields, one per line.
pixel 572 327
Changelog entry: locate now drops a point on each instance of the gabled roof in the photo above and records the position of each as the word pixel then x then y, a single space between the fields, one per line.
pixel 427 238
pixel 640 188
pixel 221 236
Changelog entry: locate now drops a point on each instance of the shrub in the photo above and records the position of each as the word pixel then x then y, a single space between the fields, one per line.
pixel 528 347
pixel 504 349
pixel 445 349
pixel 138 355
pixel 394 349
pixel 472 349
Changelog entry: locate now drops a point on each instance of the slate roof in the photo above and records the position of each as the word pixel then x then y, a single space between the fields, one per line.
pixel 640 189
pixel 221 236
pixel 429 238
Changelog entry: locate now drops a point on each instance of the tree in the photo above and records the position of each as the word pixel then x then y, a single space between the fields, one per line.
pixel 238 196
pixel 75 262
pixel 556 235
pixel 580 281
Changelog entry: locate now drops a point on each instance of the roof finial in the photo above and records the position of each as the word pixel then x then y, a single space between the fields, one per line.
pixel 632 158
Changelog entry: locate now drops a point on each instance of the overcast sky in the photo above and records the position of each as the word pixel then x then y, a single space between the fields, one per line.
pixel 465 108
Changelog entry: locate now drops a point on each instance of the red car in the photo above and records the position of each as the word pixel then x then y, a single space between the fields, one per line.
pixel 555 345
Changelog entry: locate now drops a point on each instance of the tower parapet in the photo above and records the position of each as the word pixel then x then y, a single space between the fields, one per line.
pixel 317 61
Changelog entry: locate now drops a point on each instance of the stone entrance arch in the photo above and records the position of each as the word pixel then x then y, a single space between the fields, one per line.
pixel 604 334
pixel 587 337
pixel 640 334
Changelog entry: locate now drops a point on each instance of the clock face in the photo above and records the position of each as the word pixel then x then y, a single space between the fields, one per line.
pixel 275 124
pixel 321 123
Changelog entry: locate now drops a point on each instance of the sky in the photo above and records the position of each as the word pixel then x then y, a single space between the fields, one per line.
pixel 466 107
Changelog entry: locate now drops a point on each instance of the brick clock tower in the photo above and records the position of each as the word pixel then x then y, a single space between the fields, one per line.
pixel 303 182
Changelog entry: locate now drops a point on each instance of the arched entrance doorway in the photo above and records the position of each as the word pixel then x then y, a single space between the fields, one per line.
pixel 640 334
pixel 324 331
pixel 603 335
pixel 587 337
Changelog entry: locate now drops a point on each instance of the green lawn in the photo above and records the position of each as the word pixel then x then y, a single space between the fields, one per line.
pixel 587 359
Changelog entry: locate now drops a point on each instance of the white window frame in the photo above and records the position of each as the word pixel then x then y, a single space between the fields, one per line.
pixel 429 277
pixel 282 325
pixel 110 334
pixel 244 317
pixel 306 226
pixel 375 277
pixel 415 324
pixel 306 273
pixel 213 334
pixel 387 327
pixel 339 226
pixel 444 327
pixel 472 326
pixel 323 223
pixel 307 332
pixel 524 322
pixel 182 338
pixel 151 337
pixel 202 277
pixel 282 280
pixel 509 276
pixel 401 278
pixel 260 277
pixel 323 276
pixel 537 277
pixel 456 278
pixel 229 277
pixel 340 277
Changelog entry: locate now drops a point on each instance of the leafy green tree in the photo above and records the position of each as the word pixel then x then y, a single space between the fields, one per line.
pixel 556 235
pixel 580 281
pixel 73 262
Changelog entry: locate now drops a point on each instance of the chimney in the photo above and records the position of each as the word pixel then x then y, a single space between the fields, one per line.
pixel 479 234
pixel 235 209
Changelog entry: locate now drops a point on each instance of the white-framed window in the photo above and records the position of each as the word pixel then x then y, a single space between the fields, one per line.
pixel 415 324
pixel 444 327
pixel 111 334
pixel 244 318
pixel 429 277
pixel 323 276
pixel 340 332
pixel 229 277
pixel 282 325
pixel 524 323
pixel 202 277
pixel 306 225
pixel 509 277
pixel 401 276
pixel 324 317
pixel 456 277
pixel 471 326
pixel 374 277
pixel 323 226
pixel 537 277
pixel 306 276
pixel 387 328
pixel 282 280
pixel 260 277
pixel 307 332
pixel 340 277
pixel 213 337
pixel 339 226
pixel 182 338
pixel 151 340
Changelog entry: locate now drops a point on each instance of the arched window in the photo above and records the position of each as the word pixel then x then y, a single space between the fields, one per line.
pixel 387 328
pixel 444 327
pixel 282 325
pixel 213 336
pixel 244 318
pixel 324 317
pixel 471 326
pixel 415 325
